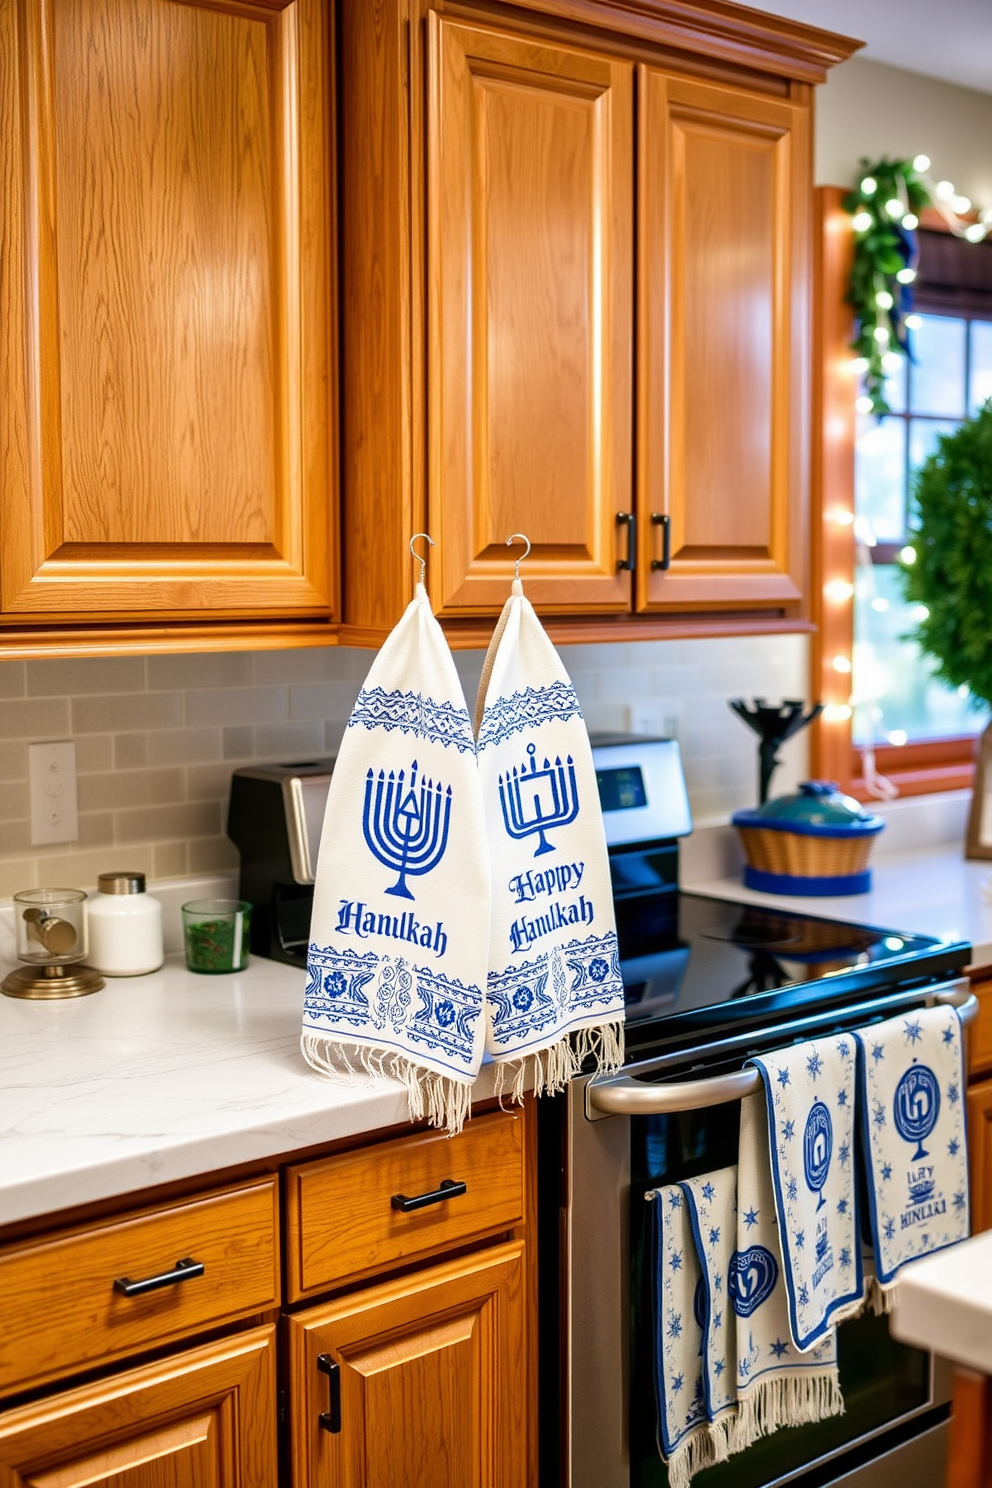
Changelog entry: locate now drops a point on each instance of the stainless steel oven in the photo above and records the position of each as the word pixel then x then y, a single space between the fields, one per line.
pixel 708 983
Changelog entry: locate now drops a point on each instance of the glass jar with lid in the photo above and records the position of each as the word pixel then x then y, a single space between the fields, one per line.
pixel 125 926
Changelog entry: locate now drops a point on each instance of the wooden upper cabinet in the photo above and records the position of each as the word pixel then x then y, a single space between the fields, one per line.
pixel 530 263
pixel 724 344
pixel 166 431
pixel 545 328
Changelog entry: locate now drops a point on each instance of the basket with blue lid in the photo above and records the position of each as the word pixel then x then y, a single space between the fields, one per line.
pixel 815 842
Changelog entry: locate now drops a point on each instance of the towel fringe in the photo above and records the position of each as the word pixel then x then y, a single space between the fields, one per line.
pixel 703 1449
pixel 880 1299
pixel 785 1400
pixel 547 1071
pixel 442 1100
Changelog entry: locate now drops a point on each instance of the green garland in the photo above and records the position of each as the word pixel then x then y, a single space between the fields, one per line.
pixel 950 572
pixel 885 208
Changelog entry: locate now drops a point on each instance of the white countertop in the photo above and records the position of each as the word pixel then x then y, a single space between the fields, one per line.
pixel 175 1075
pixel 165 1077
pixel 944 1303
pixel 933 891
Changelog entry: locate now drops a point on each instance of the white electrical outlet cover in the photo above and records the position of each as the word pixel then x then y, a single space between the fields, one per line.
pixel 52 793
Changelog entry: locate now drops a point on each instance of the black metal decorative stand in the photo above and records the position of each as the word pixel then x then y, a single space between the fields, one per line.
pixel 773 723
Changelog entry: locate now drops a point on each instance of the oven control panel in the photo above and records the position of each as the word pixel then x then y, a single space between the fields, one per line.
pixel 641 788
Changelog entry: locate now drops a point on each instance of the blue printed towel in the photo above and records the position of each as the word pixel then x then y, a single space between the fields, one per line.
pixel 400 929
pixel 554 992
pixel 776 1384
pixel 712 1205
pixel 810 1099
pixel 685 1440
pixel 913 1129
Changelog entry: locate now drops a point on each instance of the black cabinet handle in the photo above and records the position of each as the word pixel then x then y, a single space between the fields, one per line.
pixel 185 1270
pixel 628 520
pixel 664 521
pixel 449 1190
pixel 330 1420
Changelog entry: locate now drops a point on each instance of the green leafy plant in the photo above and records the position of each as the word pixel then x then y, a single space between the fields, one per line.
pixel 885 210
pixel 950 573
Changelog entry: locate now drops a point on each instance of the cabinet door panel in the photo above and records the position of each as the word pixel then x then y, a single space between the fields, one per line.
pixel 201 1419
pixel 433 1382
pixel 167 343
pixel 530 218
pixel 980 1155
pixel 723 344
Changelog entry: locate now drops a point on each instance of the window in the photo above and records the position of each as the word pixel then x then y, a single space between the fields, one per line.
pixel 894 693
pixel 881 696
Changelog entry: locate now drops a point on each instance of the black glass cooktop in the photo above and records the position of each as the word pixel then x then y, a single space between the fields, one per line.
pixel 695 962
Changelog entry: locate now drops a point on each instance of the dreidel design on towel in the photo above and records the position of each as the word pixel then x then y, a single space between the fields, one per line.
pixel 406 830
pixel 537 800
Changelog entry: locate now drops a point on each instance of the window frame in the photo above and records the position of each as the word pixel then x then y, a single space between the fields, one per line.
pixel 915 768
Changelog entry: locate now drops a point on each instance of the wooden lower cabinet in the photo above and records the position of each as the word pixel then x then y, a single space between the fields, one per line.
pixel 203 1418
pixel 980 1154
pixel 431 1382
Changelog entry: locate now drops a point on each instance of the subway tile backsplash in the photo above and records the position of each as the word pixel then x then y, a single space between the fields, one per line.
pixel 157 737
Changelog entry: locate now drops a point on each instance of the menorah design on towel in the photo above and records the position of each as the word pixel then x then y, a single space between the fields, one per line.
pixel 406 828
pixel 549 795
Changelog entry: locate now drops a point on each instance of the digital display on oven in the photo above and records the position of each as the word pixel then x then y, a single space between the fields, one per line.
pixel 621 789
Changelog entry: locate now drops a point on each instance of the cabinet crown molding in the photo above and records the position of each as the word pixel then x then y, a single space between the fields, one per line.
pixel 715 28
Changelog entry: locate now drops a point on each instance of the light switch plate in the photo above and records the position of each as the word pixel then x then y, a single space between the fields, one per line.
pixel 52 778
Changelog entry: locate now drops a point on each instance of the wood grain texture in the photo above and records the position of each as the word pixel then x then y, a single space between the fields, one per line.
pixel 25 643
pixel 980 1032
pixel 200 1419
pixel 715 29
pixel 832 542
pixel 60 1312
pixel 171 362
pixel 980 1154
pixel 530 244
pixel 969 1457
pixel 381 338
pixel 340 1225
pixel 434 1389
pixel 723 343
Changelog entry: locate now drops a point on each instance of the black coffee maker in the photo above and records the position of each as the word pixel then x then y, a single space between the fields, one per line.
pixel 274 819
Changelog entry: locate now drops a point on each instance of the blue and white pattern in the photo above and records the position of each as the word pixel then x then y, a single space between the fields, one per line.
pixel 776 1384
pixel 685 1440
pixel 508 715
pixel 911 1098
pixel 810 1099
pixel 444 723
pixel 555 991
pixel 712 1205
pixel 399 933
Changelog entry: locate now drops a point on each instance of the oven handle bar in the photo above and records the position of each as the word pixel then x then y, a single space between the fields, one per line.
pixel 630 1097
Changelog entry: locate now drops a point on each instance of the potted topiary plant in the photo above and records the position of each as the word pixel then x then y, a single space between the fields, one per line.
pixel 951 576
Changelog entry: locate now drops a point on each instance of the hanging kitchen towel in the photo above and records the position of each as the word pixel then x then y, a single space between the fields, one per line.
pixel 684 1436
pixel 712 1205
pixel 555 993
pixel 400 928
pixel 776 1384
pixel 810 1093
pixel 912 1121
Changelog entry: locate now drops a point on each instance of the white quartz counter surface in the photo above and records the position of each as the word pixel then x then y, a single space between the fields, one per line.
pixel 944 1303
pixel 933 891
pixel 165 1077
pixel 174 1075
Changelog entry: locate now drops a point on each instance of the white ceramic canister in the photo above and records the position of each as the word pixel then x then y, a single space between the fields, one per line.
pixel 125 926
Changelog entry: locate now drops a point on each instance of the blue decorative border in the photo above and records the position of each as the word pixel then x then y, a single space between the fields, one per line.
pixel 528 709
pixel 412 713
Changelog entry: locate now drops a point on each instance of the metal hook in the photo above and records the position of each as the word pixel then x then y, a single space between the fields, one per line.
pixel 514 536
pixel 421 561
